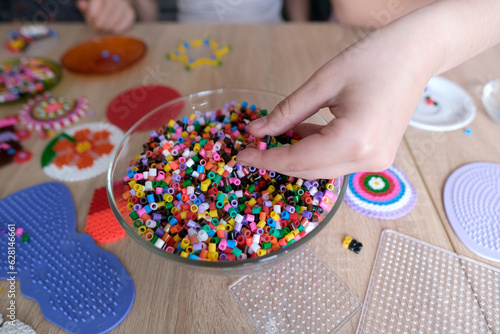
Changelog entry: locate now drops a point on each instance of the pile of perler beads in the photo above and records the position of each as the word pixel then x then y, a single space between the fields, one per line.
pixel 187 195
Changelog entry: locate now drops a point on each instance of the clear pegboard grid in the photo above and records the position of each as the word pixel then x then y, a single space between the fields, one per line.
pixel 300 296
pixel 418 288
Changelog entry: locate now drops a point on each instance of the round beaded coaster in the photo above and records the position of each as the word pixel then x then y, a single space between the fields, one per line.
pixel 383 195
pixel 81 152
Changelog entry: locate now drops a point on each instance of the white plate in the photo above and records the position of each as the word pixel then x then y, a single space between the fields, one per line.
pixel 455 108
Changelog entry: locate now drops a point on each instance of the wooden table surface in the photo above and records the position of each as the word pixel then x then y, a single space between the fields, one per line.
pixel 270 57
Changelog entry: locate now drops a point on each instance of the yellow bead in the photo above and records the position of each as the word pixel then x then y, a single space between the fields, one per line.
pixel 261 252
pixel 184 254
pixel 261 224
pixel 213 213
pixel 347 241
pixel 252 202
pixel 212 247
pixel 289 237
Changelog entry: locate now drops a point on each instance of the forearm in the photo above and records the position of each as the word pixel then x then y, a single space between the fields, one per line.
pixel 443 34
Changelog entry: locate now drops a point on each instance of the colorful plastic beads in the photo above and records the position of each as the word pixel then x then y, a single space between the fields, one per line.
pixel 26 77
pixel 187 195
pixel 352 244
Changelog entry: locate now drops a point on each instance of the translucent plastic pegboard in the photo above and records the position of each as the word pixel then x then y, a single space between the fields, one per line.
pixel 418 288
pixel 300 296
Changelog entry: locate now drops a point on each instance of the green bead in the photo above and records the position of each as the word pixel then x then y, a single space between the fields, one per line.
pixel 189 171
pixel 233 212
pixel 215 240
pixel 251 188
pixel 266 245
pixel 241 207
pixel 236 251
pixel 211 175
pixel 187 183
pixel 256 210
pixel 169 205
pixel 155 237
pixel 219 205
pixel 217 178
pixel 203 142
pixel 25 238
pixel 133 215
pixel 206 228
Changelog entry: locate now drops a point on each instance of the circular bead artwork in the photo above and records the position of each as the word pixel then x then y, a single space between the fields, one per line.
pixel 383 195
pixel 472 203
pixel 47 112
pixel 26 77
pixel 25 38
pixel 82 152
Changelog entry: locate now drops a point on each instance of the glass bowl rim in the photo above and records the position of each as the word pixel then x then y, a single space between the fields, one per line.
pixel 236 264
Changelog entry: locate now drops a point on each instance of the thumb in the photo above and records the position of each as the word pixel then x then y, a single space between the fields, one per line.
pixel 294 109
pixel 82 5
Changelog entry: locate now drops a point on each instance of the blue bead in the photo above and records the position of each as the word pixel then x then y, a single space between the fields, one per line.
pixel 151 198
pixel 105 53
pixel 244 104
pixel 192 257
pixel 231 243
pixel 147 208
pixel 116 58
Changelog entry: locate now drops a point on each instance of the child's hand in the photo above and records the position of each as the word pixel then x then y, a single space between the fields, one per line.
pixel 107 15
pixel 372 89
pixel 372 92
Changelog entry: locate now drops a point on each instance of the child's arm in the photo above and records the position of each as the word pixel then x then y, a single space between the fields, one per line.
pixel 373 13
pixel 108 15
pixel 373 88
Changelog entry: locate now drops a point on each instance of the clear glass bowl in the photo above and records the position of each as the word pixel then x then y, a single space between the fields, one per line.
pixel 176 109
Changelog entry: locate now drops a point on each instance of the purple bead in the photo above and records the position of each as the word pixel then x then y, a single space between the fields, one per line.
pixel 197 246
pixel 223 257
pixel 137 207
pixel 3 231
pixel 259 231
pixel 176 178
pixel 191 223
pixel 202 198
pixel 282 188
pixel 237 227
pixel 268 204
pixel 318 196
pixel 159 232
pixel 171 191
pixel 153 134
pixel 192 197
pixel 156 217
pixel 307 214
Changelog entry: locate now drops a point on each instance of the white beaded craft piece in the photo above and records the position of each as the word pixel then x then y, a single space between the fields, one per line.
pixel 15 327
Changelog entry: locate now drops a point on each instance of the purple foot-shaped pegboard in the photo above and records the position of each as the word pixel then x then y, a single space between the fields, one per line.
pixel 79 287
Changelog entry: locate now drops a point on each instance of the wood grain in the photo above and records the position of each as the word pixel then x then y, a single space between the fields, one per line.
pixel 270 57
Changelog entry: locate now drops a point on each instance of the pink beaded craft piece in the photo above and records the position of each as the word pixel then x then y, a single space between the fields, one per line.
pixel 383 195
pixel 49 113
